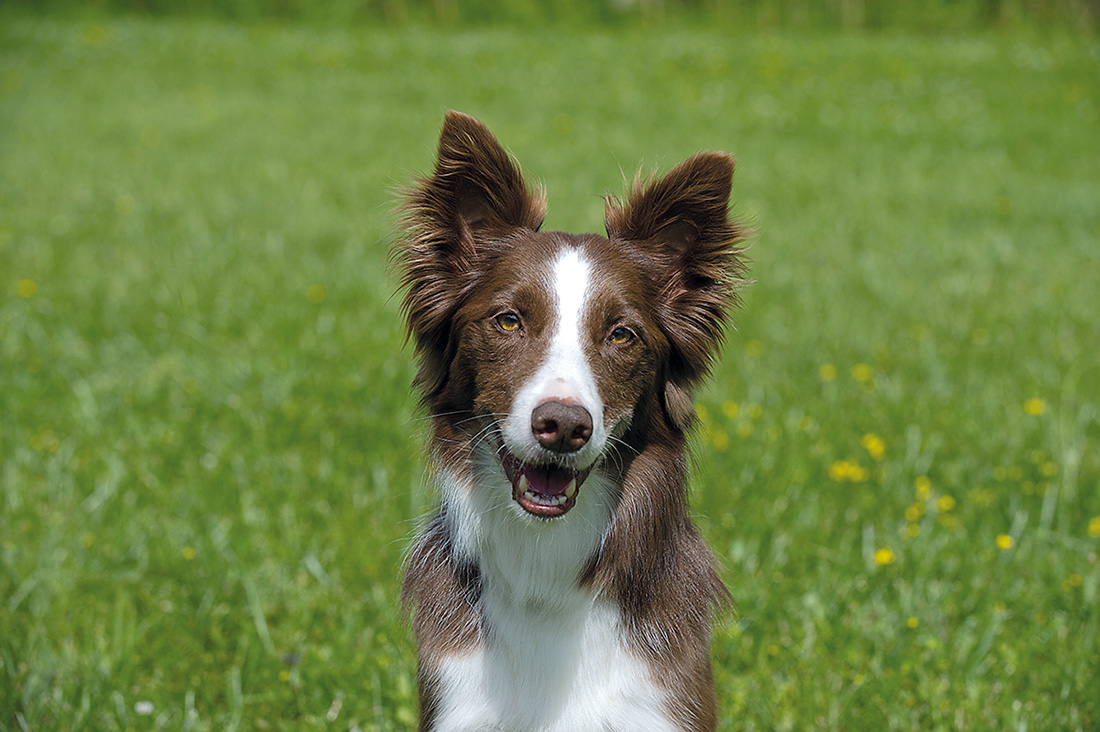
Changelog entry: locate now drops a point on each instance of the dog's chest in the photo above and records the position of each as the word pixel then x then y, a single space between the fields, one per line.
pixel 549 669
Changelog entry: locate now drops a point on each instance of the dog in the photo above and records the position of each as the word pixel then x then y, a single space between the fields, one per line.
pixel 561 585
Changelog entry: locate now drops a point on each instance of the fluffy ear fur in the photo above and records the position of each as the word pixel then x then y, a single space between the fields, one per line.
pixel 476 193
pixel 682 221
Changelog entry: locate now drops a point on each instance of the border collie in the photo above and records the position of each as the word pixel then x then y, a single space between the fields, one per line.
pixel 561 585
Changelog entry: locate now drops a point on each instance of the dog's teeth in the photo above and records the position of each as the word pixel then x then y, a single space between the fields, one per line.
pixel 524 486
pixel 571 489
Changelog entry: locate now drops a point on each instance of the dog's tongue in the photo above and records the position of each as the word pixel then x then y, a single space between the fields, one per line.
pixel 547 480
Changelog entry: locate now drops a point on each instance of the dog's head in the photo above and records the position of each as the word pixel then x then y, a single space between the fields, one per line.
pixel 553 348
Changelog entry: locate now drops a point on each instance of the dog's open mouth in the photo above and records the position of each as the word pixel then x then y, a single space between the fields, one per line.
pixel 546 491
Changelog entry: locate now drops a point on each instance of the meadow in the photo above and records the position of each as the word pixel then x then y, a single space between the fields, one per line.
pixel 211 460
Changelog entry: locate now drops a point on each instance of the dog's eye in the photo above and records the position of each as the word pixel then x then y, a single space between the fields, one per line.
pixel 620 335
pixel 509 322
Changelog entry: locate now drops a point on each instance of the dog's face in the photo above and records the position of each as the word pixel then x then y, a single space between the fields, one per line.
pixel 559 353
pixel 557 350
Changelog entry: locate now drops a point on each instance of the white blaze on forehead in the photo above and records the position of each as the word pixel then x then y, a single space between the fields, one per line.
pixel 565 374
pixel 571 273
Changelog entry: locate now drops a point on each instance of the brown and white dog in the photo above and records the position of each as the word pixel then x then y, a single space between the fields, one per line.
pixel 561 586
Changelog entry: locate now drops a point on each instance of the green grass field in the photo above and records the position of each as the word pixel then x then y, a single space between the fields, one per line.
pixel 210 460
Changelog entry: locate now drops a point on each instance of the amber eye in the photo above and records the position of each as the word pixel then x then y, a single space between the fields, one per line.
pixel 509 322
pixel 619 336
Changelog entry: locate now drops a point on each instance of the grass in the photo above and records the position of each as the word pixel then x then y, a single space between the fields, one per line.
pixel 210 460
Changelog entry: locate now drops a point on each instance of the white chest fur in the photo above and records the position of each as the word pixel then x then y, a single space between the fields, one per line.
pixel 542 673
pixel 554 657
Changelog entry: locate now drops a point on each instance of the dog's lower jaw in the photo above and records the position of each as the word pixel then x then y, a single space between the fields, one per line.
pixel 545 491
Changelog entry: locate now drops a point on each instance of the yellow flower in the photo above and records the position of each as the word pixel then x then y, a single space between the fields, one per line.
pixel 188 553
pixel 884 555
pixel 701 412
pixel 26 288
pixel 912 531
pixel 1094 527
pixel 862 373
pixel 1035 406
pixel 924 487
pixel 874 445
pixel 720 440
pixel 754 349
pixel 1005 542
pixel 826 372
pixel 914 511
pixel 846 471
pixel 730 409
pixel 315 293
pixel 946 503
pixel 912 623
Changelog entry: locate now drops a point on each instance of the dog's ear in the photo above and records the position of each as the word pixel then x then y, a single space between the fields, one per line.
pixel 475 195
pixel 681 223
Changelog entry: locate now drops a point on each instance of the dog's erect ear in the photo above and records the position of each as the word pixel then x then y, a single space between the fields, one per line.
pixel 476 186
pixel 475 195
pixel 682 223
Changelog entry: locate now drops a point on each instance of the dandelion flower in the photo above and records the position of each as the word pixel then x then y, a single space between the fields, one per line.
pixel 315 293
pixel 912 623
pixel 188 553
pixel 924 487
pixel 1005 542
pixel 946 503
pixel 826 372
pixel 1094 527
pixel 1035 406
pixel 731 409
pixel 874 445
pixel 884 556
pixel 26 288
pixel 847 471
pixel 862 373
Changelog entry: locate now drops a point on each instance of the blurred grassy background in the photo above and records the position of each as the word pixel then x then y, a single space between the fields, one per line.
pixel 742 14
pixel 210 460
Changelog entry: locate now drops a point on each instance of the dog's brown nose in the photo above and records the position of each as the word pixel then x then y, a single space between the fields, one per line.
pixel 561 427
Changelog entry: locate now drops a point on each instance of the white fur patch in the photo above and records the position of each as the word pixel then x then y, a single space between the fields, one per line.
pixel 551 673
pixel 565 374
